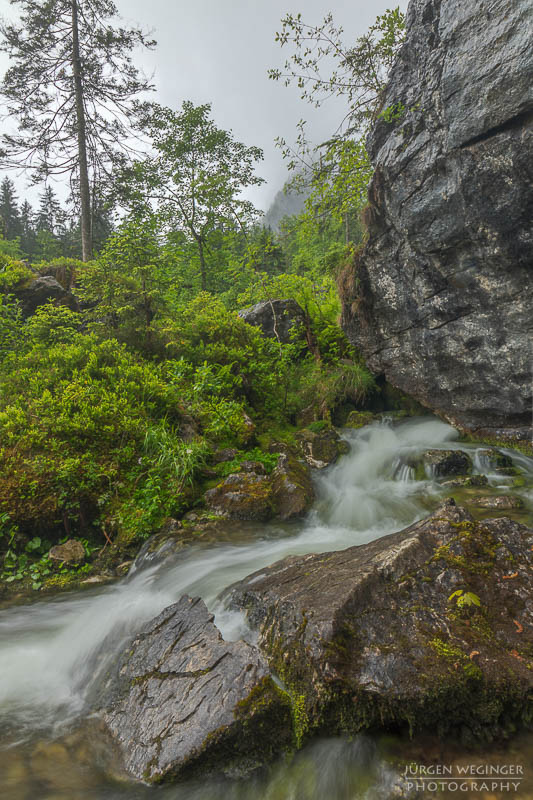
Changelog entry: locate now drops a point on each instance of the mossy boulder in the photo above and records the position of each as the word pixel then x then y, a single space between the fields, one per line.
pixel 322 446
pixel 251 495
pixel 292 488
pixel 377 636
pixel 180 701
pixel 245 496
pixel 358 419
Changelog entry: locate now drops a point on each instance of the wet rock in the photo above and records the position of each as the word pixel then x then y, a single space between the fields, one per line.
pixel 292 488
pixel 241 496
pixel 123 569
pixel 358 419
pixel 466 480
pixel 496 461
pixel 71 552
pixel 321 448
pixel 440 299
pixel 287 493
pixel 503 502
pixel 369 637
pixel 182 701
pixel 441 463
pixel 276 318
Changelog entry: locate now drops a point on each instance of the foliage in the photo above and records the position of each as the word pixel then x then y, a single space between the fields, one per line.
pixel 70 88
pixel 195 177
pixel 13 273
pixel 464 599
pixel 322 65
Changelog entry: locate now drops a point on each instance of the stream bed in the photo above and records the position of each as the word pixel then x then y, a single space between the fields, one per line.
pixel 52 652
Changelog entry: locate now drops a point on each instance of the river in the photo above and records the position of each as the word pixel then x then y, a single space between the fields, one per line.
pixel 52 651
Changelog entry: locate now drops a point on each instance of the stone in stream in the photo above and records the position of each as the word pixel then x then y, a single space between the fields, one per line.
pixel 180 700
pixel 251 495
pixel 503 502
pixel 439 463
pixel 374 637
pixel 321 448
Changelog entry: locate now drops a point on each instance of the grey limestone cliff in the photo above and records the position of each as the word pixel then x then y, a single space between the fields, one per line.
pixel 439 300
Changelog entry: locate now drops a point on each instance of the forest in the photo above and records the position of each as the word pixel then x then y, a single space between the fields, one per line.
pixel 118 388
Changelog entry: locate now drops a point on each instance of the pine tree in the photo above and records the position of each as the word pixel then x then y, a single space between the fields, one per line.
pixel 71 87
pixel 27 230
pixel 50 216
pixel 9 213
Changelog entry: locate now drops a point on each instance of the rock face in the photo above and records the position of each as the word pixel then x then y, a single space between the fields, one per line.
pixel 440 298
pixel 182 700
pixel 276 318
pixel 374 636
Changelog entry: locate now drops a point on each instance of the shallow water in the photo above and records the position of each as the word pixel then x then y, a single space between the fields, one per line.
pixel 52 652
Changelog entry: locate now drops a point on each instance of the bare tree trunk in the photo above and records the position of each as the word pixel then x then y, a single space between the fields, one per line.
pixel 85 193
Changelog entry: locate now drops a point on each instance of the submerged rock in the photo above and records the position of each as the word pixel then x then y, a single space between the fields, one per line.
pixel 466 480
pixel 182 701
pixel 374 637
pixel 441 463
pixel 439 300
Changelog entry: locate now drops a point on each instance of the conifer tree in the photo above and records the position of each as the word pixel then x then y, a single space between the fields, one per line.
pixel 27 229
pixel 71 88
pixel 9 213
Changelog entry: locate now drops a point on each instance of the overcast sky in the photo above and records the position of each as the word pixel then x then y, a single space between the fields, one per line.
pixel 219 51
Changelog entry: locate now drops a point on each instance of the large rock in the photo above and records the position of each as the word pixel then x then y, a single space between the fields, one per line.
pixel 374 636
pixel 251 495
pixel 276 318
pixel 244 496
pixel 182 701
pixel 440 299
pixel 41 291
pixel 292 488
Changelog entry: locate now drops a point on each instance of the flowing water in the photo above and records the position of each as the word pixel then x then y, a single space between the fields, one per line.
pixel 51 652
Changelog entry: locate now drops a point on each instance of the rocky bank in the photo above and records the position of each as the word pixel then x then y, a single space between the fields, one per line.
pixel 426 629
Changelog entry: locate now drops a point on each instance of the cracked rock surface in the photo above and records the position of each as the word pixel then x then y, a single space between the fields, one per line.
pixel 181 700
pixel 377 636
pixel 440 298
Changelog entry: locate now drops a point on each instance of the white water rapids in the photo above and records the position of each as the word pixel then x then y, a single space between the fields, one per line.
pixel 50 651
